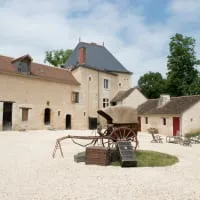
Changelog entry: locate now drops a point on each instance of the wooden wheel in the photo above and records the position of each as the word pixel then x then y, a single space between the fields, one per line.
pixel 125 134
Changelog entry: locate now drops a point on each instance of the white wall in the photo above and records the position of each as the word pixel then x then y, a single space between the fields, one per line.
pixel 156 121
pixel 34 94
pixel 135 99
pixel 191 119
pixel 92 92
pixel 1 115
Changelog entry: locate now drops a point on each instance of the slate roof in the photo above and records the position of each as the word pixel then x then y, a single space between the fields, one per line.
pixel 176 105
pixel 122 95
pixel 97 57
pixel 39 71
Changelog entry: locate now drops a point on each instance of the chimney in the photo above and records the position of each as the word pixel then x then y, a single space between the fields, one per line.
pixel 82 55
pixel 163 100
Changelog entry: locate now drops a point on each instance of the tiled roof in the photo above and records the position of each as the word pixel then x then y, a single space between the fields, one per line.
pixel 122 95
pixel 176 105
pixel 97 57
pixel 40 71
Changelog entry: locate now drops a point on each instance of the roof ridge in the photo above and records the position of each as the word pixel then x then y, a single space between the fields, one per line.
pixel 37 63
pixel 6 56
pixel 92 43
pixel 52 67
pixel 187 96
pixel 47 72
pixel 97 56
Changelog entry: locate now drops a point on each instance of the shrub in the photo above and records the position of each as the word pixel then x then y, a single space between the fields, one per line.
pixel 152 130
pixel 193 133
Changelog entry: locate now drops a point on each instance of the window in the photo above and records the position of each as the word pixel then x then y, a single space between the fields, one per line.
pixel 106 83
pixel 146 120
pixel 22 67
pixel 75 97
pixel 105 102
pixel 164 121
pixel 24 114
pixel 90 77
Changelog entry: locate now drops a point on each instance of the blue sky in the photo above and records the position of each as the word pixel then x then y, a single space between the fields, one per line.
pixel 137 32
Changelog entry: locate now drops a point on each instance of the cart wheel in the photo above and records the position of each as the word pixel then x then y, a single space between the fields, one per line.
pixel 124 133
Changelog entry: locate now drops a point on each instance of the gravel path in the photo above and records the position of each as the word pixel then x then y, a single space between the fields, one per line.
pixel 28 172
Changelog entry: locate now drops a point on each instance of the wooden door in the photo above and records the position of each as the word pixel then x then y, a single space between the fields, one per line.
pixel 176 126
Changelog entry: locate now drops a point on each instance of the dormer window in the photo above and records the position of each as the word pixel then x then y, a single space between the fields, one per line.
pixel 22 64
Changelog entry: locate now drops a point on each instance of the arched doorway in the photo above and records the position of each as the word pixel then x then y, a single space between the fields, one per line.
pixel 47 116
pixel 68 122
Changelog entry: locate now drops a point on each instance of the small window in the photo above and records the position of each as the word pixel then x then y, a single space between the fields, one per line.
pixel 24 114
pixel 59 113
pixel 105 102
pixel 146 120
pixel 75 97
pixel 106 83
pixel 164 121
pixel 90 78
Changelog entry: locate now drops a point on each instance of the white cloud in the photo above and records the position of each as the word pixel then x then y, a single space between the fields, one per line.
pixel 36 26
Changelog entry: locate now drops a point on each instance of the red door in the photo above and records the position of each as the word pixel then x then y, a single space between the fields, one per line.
pixel 176 126
pixel 139 123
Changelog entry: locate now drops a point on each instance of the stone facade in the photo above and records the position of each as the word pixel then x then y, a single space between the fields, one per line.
pixel 37 95
pixel 93 94
pixel 31 97
pixel 156 121
pixel 190 119
pixel 171 116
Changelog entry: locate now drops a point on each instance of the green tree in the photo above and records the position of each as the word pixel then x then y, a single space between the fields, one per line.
pixel 182 73
pixel 57 57
pixel 195 86
pixel 152 84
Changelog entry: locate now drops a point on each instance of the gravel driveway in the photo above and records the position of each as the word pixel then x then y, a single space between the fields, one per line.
pixel 28 172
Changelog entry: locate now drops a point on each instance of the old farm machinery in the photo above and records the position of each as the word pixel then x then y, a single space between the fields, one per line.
pixel 122 126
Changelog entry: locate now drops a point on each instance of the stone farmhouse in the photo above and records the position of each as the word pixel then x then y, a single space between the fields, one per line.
pixel 171 115
pixel 37 96
pixel 131 97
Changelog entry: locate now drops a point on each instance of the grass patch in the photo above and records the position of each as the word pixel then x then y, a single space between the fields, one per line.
pixel 144 159
pixel 154 159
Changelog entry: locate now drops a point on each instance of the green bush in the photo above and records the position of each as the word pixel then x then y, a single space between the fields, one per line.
pixel 193 133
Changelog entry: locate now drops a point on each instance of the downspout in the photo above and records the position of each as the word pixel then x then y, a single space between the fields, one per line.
pixel 98 96
pixel 98 90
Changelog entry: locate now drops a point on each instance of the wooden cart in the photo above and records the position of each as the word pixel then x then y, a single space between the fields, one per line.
pixel 122 125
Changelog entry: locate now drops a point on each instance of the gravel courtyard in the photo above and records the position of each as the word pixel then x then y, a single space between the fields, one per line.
pixel 28 172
